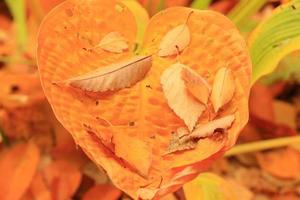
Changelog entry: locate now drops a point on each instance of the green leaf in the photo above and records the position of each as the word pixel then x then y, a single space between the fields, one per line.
pixel 289 68
pixel 141 17
pixel 201 4
pixel 274 38
pixel 161 5
pixel 17 9
pixel 241 13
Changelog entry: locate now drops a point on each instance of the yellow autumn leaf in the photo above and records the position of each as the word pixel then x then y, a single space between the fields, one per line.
pixel 115 76
pixel 175 41
pixel 223 88
pixel 185 106
pixel 113 42
pixel 196 85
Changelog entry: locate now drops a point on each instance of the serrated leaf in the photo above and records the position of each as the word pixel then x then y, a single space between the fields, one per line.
pixel 175 41
pixel 182 140
pixel 185 106
pixel 274 38
pixel 113 42
pixel 223 88
pixel 196 85
pixel 115 76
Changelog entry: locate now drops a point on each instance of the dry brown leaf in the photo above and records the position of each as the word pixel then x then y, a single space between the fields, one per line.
pixel 223 88
pixel 115 76
pixel 113 42
pixel 196 85
pixel 185 106
pixel 206 130
pixel 175 41
pixel 182 140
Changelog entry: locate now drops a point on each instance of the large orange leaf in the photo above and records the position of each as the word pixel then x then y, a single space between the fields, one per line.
pixel 17 168
pixel 108 125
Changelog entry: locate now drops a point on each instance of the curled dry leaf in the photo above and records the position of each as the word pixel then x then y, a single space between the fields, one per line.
pixel 223 88
pixel 185 106
pixel 115 76
pixel 196 85
pixel 113 42
pixel 182 140
pixel 175 41
pixel 206 130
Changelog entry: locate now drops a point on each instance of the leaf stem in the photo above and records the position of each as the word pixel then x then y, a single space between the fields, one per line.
pixel 262 145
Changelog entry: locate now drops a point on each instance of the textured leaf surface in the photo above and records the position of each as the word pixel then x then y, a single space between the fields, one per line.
pixel 276 37
pixel 140 112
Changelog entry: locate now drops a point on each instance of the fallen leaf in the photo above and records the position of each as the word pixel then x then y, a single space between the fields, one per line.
pixel 196 85
pixel 175 41
pixel 115 76
pixel 113 42
pixel 223 88
pixel 182 140
pixel 185 106
pixel 102 192
pixel 17 168
pixel 206 130
pixel 63 179
pixel 179 143
pixel 281 163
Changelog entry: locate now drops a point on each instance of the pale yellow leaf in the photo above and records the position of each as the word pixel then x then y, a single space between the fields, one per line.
pixel 185 106
pixel 115 76
pixel 175 41
pixel 196 85
pixel 113 42
pixel 223 88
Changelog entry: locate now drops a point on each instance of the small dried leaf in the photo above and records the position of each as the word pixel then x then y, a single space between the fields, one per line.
pixel 182 140
pixel 179 143
pixel 206 130
pixel 113 42
pixel 185 106
pixel 115 76
pixel 175 41
pixel 196 85
pixel 223 88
